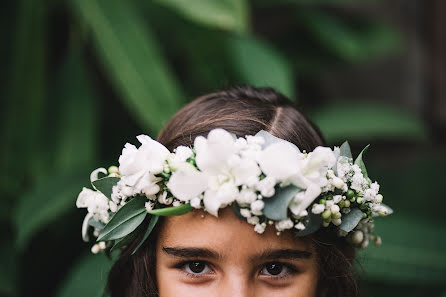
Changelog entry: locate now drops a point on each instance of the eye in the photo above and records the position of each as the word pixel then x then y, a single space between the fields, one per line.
pixel 196 267
pixel 276 269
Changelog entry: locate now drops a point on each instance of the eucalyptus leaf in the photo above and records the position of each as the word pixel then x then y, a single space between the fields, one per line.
pixel 172 211
pixel 359 161
pixel 345 150
pixel 127 219
pixel 276 207
pixel 149 230
pixel 105 185
pixel 312 224
pixel 351 220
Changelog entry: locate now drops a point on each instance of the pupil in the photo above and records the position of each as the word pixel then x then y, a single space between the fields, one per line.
pixel 274 268
pixel 196 267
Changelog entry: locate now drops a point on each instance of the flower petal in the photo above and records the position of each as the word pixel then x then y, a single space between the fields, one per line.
pixel 187 183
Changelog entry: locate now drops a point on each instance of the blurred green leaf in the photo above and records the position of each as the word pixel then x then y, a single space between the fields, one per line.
pixel 349 41
pixel 127 219
pixel 412 251
pixel 23 112
pixel 8 269
pixel 46 202
pixel 76 116
pixel 259 64
pixel 367 120
pixel 133 59
pixel 87 278
pixel 231 15
pixel 153 221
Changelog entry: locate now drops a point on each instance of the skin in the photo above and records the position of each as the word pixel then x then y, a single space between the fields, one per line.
pixel 201 255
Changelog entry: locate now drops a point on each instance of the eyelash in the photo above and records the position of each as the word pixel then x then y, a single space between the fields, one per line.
pixel 291 269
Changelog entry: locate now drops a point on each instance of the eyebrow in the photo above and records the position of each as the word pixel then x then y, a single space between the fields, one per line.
pixel 290 254
pixel 190 252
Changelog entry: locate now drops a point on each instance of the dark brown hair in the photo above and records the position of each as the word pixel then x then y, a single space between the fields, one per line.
pixel 241 110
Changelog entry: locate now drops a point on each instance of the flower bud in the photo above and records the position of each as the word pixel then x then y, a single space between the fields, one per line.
pixel 337 182
pixel 95 249
pixel 350 194
pixel 357 237
pixel 334 209
pixel 326 215
pixel 113 169
pixel 337 222
pixel 379 198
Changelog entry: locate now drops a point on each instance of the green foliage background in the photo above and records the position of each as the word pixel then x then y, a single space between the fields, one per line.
pixel 82 77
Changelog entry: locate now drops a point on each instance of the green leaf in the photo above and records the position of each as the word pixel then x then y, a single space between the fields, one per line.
pixel 152 224
pixel 172 211
pixel 236 208
pixel 8 268
pixel 132 57
pixel 231 15
pixel 359 161
pixel 276 207
pixel 345 150
pixel 126 240
pixel 359 121
pixel 105 185
pixel 351 219
pixel 46 202
pixel 127 219
pixel 87 278
pixel 354 41
pixel 312 223
pixel 259 64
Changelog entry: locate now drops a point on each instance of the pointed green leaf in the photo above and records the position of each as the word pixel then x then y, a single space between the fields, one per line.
pixel 345 150
pixel 133 59
pixel 351 219
pixel 359 161
pixel 105 185
pixel 223 14
pixel 126 240
pixel 276 207
pixel 172 211
pixel 152 224
pixel 127 219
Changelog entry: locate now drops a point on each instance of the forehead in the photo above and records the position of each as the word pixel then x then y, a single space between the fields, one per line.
pixel 226 234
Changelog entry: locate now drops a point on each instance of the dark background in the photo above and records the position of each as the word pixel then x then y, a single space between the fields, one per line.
pixel 80 78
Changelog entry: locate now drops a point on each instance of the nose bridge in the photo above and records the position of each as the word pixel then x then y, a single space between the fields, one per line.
pixel 236 283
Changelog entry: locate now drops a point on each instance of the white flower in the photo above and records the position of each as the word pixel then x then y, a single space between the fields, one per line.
pixel 95 174
pixel 253 220
pixel 246 196
pixel 358 182
pixel 95 202
pixel 280 160
pixel 260 228
pixel 266 186
pixel 303 199
pixel 284 225
pixel 195 202
pixel 300 226
pixel 245 212
pixel 138 167
pixel 149 205
pixel 164 200
pixel 318 208
pixel 187 183
pixel 215 199
pixel 257 207
pixel 337 198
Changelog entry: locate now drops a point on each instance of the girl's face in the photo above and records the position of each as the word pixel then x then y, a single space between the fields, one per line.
pixel 207 256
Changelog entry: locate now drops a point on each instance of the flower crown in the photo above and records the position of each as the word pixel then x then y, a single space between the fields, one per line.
pixel 267 180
